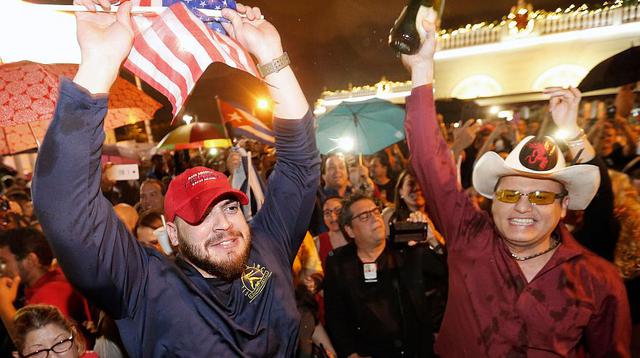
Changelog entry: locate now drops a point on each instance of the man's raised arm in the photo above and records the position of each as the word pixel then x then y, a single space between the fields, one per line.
pixel 96 252
pixel 430 155
pixel 292 186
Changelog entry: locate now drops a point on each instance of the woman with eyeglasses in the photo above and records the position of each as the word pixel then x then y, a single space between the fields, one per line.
pixel 41 331
pixel 334 238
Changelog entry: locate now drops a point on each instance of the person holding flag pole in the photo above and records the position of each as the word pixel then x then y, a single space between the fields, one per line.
pixel 229 292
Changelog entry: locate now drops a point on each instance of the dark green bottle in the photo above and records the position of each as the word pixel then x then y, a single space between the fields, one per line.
pixel 407 34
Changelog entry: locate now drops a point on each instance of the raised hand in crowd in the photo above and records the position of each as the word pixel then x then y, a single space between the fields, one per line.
pixel 464 136
pixel 105 41
pixel 8 293
pixel 262 40
pixel 8 289
pixel 257 35
pixel 564 105
pixel 421 64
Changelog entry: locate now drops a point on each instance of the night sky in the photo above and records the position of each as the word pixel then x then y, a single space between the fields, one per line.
pixel 334 43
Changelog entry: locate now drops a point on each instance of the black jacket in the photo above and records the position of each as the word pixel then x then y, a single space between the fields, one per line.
pixel 392 317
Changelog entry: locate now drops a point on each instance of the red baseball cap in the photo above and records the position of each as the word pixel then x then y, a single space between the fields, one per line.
pixel 191 193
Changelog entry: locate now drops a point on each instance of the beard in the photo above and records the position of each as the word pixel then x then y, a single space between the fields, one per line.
pixel 228 267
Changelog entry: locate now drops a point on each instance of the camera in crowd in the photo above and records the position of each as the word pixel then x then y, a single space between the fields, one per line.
pixel 401 232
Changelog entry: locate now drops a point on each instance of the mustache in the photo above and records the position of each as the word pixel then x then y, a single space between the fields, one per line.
pixel 221 236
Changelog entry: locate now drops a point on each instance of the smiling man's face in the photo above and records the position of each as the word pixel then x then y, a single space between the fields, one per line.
pixel 219 245
pixel 524 225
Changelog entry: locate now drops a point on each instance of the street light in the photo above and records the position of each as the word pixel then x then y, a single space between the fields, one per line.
pixel 262 104
pixel 561 134
pixel 346 143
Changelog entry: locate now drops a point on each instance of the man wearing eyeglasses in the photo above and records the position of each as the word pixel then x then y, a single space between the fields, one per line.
pixel 378 298
pixel 520 285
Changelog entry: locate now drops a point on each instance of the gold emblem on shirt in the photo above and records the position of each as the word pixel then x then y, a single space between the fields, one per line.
pixel 254 280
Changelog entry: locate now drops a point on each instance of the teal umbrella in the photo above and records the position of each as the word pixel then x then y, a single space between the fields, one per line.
pixel 371 125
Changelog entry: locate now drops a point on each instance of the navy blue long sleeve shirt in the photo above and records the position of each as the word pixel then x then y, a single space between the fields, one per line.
pixel 165 308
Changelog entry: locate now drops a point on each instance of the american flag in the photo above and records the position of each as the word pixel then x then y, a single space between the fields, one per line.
pixel 193 5
pixel 171 51
pixel 244 124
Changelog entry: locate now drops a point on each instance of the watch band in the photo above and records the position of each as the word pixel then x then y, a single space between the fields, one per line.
pixel 275 65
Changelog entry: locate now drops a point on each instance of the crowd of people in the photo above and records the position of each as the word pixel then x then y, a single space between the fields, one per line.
pixel 480 239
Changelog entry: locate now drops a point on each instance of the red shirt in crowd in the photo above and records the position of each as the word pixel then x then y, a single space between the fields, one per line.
pixel 54 289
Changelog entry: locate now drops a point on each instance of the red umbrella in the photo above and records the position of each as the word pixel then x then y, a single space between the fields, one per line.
pixel 28 92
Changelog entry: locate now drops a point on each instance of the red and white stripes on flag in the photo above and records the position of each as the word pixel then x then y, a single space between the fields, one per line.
pixel 171 51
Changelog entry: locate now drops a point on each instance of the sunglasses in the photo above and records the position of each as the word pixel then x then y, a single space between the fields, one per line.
pixel 535 197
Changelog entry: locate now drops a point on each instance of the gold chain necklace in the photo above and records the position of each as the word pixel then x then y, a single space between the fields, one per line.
pixel 555 244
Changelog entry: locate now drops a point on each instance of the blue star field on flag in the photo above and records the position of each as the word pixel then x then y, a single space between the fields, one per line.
pixel 211 22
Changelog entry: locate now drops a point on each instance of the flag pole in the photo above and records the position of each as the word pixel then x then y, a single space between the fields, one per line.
pixel 135 10
pixel 33 133
pixel 224 123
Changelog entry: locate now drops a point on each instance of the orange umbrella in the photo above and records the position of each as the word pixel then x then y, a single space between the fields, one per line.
pixel 28 92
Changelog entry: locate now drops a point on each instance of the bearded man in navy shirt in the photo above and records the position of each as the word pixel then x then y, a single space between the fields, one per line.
pixel 229 292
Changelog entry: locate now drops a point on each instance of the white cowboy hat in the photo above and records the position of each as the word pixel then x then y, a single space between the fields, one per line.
pixel 538 158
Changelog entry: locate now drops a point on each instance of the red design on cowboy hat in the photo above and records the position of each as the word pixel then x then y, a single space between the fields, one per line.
pixel 539 155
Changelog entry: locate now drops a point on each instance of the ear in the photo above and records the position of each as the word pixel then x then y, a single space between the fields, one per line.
pixel 32 260
pixel 349 231
pixel 172 231
pixel 564 206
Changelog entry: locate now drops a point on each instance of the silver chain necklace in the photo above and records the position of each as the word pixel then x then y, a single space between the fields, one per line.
pixel 555 244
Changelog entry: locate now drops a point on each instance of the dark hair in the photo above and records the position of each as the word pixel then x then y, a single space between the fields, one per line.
pixel 156 156
pixel 346 216
pixel 331 197
pixel 155 182
pixel 384 159
pixel 23 241
pixel 33 317
pixel 402 211
pixel 147 218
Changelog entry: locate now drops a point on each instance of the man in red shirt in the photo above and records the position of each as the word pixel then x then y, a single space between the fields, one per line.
pixel 519 284
pixel 26 258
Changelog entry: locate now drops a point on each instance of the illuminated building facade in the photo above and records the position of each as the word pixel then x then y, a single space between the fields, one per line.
pixel 509 61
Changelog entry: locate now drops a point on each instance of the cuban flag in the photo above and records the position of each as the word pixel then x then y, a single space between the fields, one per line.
pixel 246 179
pixel 171 51
pixel 243 124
